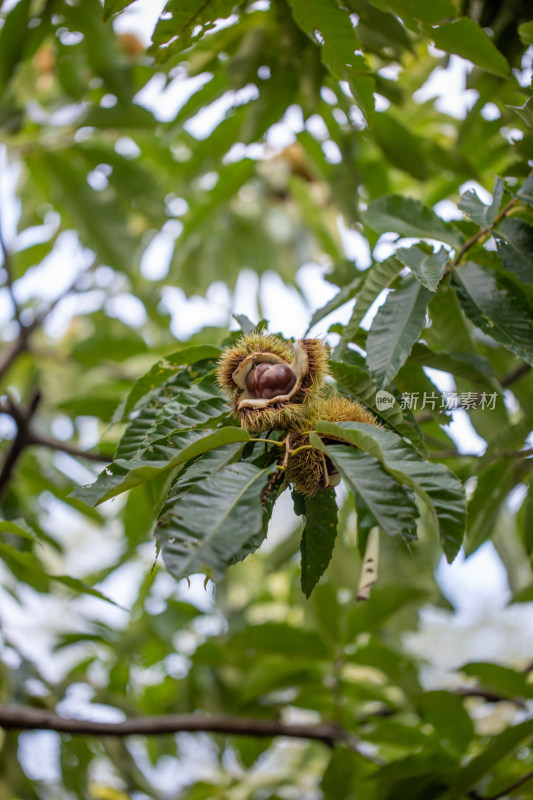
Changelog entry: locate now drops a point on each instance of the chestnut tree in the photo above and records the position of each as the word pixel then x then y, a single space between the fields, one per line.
pixel 155 581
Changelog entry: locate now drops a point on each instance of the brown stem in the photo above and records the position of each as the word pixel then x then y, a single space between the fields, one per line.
pixel 483 232
pixel 513 376
pixel 26 718
pixel 19 442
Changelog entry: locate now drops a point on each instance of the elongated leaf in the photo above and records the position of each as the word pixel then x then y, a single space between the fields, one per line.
pixel 433 483
pixel 346 294
pixel 409 217
pixel 483 508
pixel 378 277
pixel 18 527
pixel 361 387
pixel 189 21
pixel 465 38
pixel 428 268
pixel 100 222
pixel 493 309
pixel 338 45
pixel 12 38
pixel 392 506
pixel 526 192
pixel 419 9
pixel 318 537
pixel 114 6
pixel 515 245
pixel 174 408
pixel 164 369
pixel 478 212
pixel 29 561
pixel 395 329
pixel 212 521
pixel 484 763
pixel 172 451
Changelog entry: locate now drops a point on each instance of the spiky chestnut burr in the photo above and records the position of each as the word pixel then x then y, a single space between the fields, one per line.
pixel 271 382
pixel 310 470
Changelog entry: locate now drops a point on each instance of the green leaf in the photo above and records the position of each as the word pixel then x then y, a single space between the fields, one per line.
pixel 164 369
pixel 485 762
pixel 499 679
pixel 330 26
pixel 318 537
pixel 526 191
pixel 525 31
pixel 515 245
pixel 436 485
pixel 380 276
pixel 525 112
pixel 361 387
pixel 343 296
pixel 428 268
pixel 477 211
pixel 114 6
pixel 13 36
pixel 493 309
pixel 190 20
pixel 492 488
pixel 409 217
pixel 419 9
pixel 101 223
pixel 395 329
pixel 172 451
pixel 465 38
pixel 18 527
pixel 30 562
pixel 392 506
pixel 212 521
pixel 402 148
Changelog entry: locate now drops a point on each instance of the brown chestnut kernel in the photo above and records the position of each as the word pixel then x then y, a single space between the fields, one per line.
pixel 277 379
pixel 252 381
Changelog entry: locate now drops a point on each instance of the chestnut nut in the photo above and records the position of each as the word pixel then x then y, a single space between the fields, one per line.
pixel 270 380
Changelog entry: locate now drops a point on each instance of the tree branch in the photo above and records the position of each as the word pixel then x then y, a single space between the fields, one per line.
pixel 516 785
pixel 32 438
pixel 9 275
pixel 26 718
pixel 19 442
pixel 513 376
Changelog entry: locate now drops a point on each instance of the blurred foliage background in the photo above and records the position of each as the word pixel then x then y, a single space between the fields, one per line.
pixel 143 186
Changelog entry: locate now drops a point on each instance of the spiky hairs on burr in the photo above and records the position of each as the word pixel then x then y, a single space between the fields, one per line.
pixel 272 383
pixel 310 470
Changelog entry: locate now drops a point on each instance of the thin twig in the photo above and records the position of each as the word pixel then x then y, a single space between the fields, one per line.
pixel 513 376
pixel 484 231
pixel 516 785
pixel 26 718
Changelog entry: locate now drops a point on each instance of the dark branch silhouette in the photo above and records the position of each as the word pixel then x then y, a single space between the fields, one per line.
pixel 26 718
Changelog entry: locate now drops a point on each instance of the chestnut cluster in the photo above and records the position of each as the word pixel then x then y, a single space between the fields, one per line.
pixel 276 385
